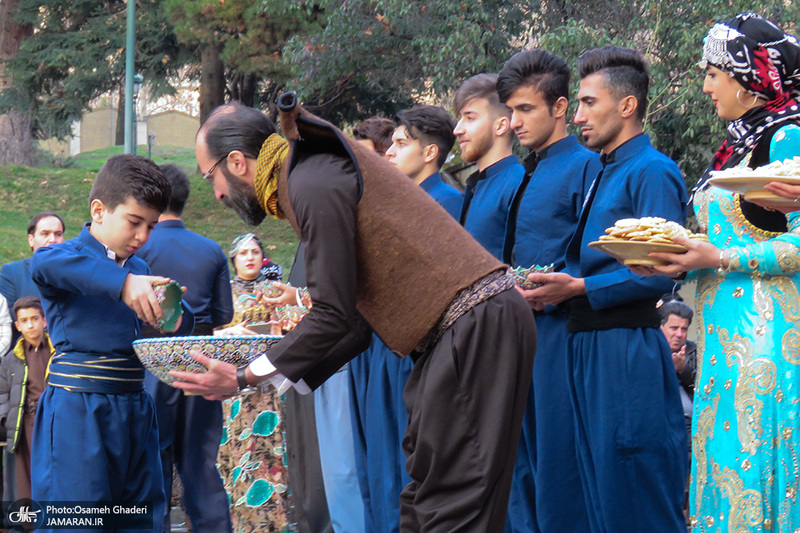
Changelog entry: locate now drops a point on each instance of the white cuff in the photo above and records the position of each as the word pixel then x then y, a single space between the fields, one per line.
pixel 264 367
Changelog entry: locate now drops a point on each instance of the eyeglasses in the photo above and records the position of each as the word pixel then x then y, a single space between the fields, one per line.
pixel 207 175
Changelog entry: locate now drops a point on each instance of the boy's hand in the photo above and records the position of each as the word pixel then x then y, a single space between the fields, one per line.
pixel 137 293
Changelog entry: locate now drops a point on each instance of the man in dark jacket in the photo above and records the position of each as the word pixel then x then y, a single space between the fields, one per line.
pixel 190 427
pixel 44 229
pixel 676 317
pixel 380 252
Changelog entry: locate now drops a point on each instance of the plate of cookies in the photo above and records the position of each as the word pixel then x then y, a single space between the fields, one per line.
pixel 630 240
pixel 750 182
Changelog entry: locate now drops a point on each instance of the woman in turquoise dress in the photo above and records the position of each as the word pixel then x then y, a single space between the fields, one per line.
pixel 746 423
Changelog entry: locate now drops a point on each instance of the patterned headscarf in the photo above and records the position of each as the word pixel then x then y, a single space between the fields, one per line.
pixel 268 168
pixel 240 242
pixel 766 63
pixel 757 54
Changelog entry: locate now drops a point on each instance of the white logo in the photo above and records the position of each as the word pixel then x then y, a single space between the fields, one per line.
pixel 24 515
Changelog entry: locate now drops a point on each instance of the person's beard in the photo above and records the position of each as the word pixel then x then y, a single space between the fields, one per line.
pixel 242 198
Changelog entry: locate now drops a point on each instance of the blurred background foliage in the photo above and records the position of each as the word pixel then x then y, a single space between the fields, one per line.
pixel 351 59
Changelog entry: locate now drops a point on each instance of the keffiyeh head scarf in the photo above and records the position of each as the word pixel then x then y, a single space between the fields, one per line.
pixel 765 61
pixel 268 169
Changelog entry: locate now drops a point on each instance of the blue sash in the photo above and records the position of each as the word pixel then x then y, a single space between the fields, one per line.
pixel 91 372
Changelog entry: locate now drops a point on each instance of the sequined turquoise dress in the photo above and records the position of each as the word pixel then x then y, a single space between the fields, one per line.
pixel 746 423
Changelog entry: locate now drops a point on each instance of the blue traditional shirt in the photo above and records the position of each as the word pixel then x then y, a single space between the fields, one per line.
pixel 87 320
pixel 551 203
pixel 487 203
pixel 446 195
pixel 636 181
pixel 196 262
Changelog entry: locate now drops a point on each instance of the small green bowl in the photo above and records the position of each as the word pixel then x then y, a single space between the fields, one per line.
pixel 169 297
pixel 520 275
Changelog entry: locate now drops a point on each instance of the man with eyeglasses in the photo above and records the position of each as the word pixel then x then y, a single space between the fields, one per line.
pixel 380 252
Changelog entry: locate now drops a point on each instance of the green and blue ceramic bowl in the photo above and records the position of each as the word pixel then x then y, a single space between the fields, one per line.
pixel 169 297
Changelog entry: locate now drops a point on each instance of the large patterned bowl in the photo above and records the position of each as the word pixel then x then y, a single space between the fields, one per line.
pixel 159 355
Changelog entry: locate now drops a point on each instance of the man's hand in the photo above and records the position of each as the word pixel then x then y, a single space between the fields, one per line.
pixel 526 293
pixel 137 293
pixel 218 383
pixel 556 287
pixel 288 296
pixel 679 359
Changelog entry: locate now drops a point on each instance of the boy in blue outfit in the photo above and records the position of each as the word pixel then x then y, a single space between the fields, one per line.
pixel 96 438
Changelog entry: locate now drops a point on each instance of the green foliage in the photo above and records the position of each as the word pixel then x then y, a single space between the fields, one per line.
pixel 77 53
pixel 356 58
pixel 680 118
pixel 250 35
pixel 377 56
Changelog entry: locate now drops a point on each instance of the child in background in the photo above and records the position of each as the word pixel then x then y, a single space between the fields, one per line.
pixel 22 381
pixel 96 437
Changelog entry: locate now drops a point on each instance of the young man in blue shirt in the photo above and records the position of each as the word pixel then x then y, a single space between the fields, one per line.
pixel 96 437
pixel 190 427
pixel 421 142
pixel 630 435
pixel 485 138
pixel 546 493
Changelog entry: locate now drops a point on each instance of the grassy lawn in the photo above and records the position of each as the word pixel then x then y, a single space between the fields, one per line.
pixel 25 191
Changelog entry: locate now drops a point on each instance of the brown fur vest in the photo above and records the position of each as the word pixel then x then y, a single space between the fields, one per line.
pixel 413 257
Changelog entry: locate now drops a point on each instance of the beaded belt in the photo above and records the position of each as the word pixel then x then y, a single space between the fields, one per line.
pixel 490 285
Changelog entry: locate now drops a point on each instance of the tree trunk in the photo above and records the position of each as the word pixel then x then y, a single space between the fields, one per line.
pixel 243 88
pixel 119 132
pixel 212 81
pixel 16 142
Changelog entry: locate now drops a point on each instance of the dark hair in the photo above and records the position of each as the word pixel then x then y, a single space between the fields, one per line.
pixel 376 129
pixel 28 302
pixel 480 86
pixel 235 126
pixel 38 217
pixel 430 124
pixel 624 70
pixel 133 176
pixel 180 188
pixel 539 69
pixel 677 308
